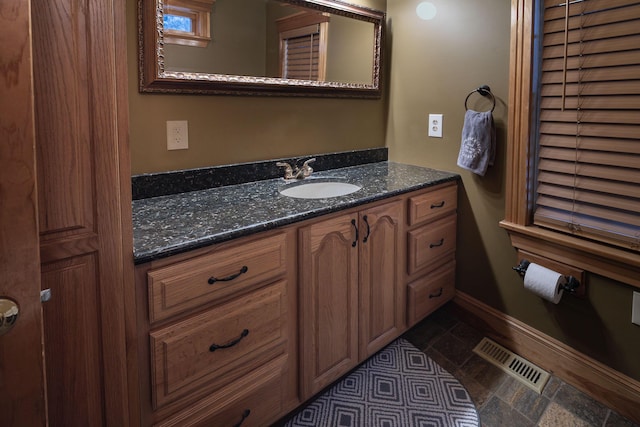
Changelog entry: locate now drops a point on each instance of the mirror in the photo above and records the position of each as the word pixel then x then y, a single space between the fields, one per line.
pixel 322 48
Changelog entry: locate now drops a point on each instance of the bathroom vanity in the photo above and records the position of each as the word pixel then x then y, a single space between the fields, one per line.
pixel 249 302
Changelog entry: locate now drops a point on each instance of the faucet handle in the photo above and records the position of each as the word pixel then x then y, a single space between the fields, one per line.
pixel 306 169
pixel 288 170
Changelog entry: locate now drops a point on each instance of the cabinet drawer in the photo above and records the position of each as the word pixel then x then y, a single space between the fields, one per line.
pixel 213 348
pixel 433 204
pixel 217 276
pixel 430 292
pixel 254 400
pixel 431 243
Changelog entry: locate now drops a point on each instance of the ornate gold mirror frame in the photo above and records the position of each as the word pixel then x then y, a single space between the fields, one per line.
pixel 155 78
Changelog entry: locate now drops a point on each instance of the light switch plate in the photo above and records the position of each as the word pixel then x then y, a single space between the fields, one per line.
pixel 177 135
pixel 435 125
pixel 635 311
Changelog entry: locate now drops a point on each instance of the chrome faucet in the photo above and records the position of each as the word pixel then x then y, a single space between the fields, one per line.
pixel 295 172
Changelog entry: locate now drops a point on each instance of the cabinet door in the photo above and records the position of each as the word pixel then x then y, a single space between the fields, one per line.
pixel 329 301
pixel 382 300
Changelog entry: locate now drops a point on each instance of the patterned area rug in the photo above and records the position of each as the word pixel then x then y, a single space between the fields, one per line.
pixel 399 386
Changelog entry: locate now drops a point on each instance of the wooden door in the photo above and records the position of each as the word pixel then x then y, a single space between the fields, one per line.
pixel 382 294
pixel 328 289
pixel 21 362
pixel 83 206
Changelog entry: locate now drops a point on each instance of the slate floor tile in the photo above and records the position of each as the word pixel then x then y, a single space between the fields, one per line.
pixel 497 413
pixel 583 406
pixel 523 399
pixel 453 348
pixel 557 416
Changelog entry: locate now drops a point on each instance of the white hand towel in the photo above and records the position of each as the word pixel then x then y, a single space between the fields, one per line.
pixel 478 147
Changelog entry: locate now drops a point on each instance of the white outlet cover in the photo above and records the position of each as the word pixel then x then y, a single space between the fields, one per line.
pixel 177 134
pixel 435 125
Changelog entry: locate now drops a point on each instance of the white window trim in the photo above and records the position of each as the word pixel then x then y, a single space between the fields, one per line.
pixel 199 12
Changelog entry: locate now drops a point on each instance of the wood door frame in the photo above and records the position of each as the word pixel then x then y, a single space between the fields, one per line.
pixel 21 352
pixel 114 216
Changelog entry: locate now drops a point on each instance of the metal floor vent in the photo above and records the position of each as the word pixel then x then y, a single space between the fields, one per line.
pixel 522 370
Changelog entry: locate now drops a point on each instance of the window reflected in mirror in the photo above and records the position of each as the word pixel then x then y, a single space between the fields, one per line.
pixel 187 22
pixel 303 46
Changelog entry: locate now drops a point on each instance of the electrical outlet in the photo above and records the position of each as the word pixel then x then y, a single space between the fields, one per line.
pixel 435 125
pixel 177 135
pixel 635 311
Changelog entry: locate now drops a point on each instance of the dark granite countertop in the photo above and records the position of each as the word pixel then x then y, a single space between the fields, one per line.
pixel 168 225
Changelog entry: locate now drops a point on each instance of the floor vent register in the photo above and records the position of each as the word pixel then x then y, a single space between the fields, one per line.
pixel 521 369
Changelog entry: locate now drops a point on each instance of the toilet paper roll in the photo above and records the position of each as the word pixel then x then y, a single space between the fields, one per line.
pixel 544 282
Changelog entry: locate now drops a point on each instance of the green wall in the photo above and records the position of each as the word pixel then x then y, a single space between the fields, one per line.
pixel 434 64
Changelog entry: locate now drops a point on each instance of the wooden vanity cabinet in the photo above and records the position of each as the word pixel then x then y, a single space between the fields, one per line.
pixel 245 331
pixel 352 296
pixel 218 344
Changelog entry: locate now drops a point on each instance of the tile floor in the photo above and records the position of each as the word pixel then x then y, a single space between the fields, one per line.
pixel 501 400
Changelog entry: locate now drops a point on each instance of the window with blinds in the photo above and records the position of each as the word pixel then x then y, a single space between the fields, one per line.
pixel 588 166
pixel 301 53
pixel 303 45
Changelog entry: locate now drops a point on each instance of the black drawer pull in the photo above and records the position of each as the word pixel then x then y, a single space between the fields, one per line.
pixel 437 205
pixel 435 245
pixel 243 334
pixel 439 294
pixel 213 280
pixel 355 241
pixel 368 229
pixel 245 414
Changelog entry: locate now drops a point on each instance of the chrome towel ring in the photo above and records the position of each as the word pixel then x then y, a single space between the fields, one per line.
pixel 483 90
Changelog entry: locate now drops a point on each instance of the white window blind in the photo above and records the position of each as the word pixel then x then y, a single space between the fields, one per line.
pixel 588 170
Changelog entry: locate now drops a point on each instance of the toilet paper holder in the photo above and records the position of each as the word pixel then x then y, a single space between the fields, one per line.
pixel 572 284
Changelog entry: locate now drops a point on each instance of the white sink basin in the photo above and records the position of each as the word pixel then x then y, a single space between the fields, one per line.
pixel 319 190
